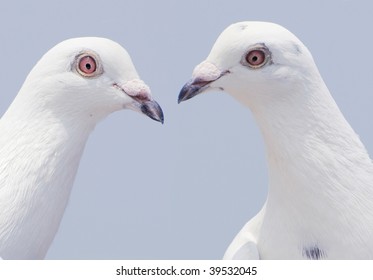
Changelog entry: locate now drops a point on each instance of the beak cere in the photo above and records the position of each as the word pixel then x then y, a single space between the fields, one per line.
pixel 142 100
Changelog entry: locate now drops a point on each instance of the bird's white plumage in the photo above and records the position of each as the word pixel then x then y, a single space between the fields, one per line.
pixel 320 194
pixel 44 131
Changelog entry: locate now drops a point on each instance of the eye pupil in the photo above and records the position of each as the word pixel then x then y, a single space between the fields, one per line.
pixel 88 66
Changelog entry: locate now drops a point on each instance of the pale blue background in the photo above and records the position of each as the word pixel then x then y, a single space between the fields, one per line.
pixel 184 189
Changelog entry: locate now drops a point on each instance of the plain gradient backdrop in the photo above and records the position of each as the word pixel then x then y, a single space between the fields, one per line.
pixel 182 190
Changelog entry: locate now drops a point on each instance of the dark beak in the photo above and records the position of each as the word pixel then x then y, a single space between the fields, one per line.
pixel 192 88
pixel 152 110
pixel 203 75
pixel 142 100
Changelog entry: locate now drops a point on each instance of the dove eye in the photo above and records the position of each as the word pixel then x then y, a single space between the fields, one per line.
pixel 256 58
pixel 87 65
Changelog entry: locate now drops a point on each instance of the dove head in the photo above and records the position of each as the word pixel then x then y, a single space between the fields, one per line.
pixel 90 77
pixel 255 62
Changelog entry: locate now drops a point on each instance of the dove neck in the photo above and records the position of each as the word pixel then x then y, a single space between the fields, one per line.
pixel 40 153
pixel 312 151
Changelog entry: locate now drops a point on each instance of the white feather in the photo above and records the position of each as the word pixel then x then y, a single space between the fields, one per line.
pixel 320 197
pixel 43 134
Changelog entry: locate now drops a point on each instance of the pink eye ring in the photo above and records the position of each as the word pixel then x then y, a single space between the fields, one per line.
pixel 87 66
pixel 256 58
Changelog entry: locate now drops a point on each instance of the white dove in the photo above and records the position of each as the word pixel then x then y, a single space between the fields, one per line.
pixel 320 192
pixel 43 133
